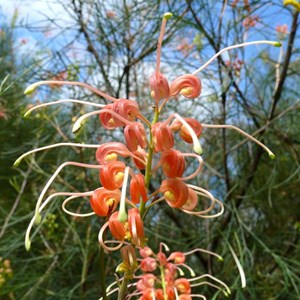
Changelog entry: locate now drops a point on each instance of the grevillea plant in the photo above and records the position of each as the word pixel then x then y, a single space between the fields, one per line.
pixel 126 192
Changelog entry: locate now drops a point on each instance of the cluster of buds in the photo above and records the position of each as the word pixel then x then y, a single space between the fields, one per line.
pixel 250 21
pixel 246 5
pixel 5 271
pixel 236 65
pixel 282 31
pixel 125 194
pixel 161 276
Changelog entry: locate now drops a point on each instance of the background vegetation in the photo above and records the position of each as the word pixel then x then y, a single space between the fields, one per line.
pixel 111 45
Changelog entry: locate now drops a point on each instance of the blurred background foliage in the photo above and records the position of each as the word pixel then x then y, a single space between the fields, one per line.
pixel 111 45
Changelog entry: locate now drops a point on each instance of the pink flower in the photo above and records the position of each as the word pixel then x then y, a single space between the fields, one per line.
pixel 188 85
pixel 135 136
pixel 250 21
pixel 148 264
pixel 159 87
pixel 162 137
pixel 111 14
pixel 183 132
pixel 282 29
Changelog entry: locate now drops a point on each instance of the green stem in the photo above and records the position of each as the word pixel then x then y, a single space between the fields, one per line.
pixel 123 288
pixel 163 282
pixel 149 162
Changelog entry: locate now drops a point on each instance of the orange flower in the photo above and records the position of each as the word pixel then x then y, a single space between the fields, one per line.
pixel 135 136
pixel 117 229
pixel 175 192
pixel 108 152
pixel 146 252
pixel 183 286
pixel 136 227
pixel 132 230
pixel 183 132
pixel 173 164
pixel 111 175
pixel 103 201
pixel 162 137
pixel 178 257
pixel 188 85
pixel 107 120
pixel 138 189
pixel 159 87
pixel 147 281
pixel 126 108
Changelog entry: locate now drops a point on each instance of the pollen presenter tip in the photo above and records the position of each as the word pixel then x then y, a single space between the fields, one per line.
pixel 277 44
pixel 27 244
pixel 17 162
pixel 27 114
pixel 168 16
pixel 272 156
pixel 198 149
pixel 29 90
pixel 76 127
